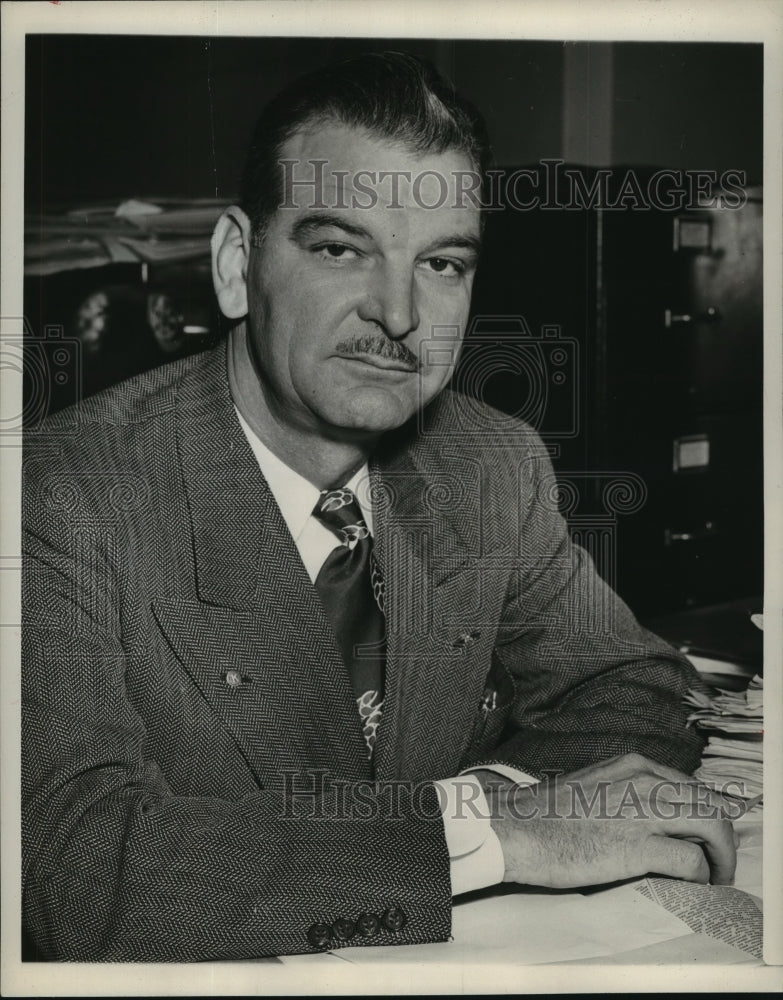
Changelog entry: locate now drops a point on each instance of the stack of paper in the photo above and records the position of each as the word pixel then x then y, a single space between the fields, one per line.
pixel 732 760
pixel 171 230
pixel 50 256
pixel 155 231
pixel 168 218
pixel 155 251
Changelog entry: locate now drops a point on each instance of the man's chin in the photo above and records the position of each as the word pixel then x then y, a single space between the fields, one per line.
pixel 373 410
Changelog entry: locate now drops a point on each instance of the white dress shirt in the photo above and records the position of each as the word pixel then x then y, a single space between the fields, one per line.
pixel 474 848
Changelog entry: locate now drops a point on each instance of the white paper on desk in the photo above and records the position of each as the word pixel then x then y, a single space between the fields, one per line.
pixel 526 929
pixel 749 854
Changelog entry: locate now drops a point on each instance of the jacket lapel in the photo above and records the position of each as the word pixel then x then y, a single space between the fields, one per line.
pixel 256 613
pixel 429 544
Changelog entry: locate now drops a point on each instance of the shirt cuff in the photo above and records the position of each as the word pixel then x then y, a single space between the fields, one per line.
pixel 505 771
pixel 474 849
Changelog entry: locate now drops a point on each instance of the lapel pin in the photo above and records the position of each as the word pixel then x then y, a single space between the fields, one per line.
pixel 466 638
pixel 234 679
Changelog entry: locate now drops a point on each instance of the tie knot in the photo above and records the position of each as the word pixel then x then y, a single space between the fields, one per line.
pixel 340 512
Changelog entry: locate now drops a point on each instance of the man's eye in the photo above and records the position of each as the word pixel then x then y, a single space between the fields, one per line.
pixel 444 266
pixel 335 252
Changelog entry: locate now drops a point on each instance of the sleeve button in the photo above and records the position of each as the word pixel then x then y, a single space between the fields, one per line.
pixel 319 935
pixel 343 929
pixel 368 925
pixel 394 919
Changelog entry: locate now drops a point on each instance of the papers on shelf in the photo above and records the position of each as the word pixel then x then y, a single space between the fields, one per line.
pixel 748 703
pixel 149 230
pixel 187 221
pixel 733 757
pixel 50 256
pixel 156 251
pixel 730 711
pixel 738 749
pixel 134 207
pixel 716 667
pixel 744 780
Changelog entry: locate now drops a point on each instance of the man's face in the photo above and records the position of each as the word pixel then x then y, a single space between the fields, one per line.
pixel 357 311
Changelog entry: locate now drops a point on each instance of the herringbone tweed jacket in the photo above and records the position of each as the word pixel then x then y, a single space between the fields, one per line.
pixel 180 680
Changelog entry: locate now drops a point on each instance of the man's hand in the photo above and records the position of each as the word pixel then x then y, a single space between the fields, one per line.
pixel 623 818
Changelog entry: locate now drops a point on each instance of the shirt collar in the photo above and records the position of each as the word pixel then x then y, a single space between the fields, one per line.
pixel 296 496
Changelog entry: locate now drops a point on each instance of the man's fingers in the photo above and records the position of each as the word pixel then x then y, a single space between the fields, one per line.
pixel 677 859
pixel 716 839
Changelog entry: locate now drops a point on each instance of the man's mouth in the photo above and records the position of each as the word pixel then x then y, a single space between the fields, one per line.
pixel 386 355
pixel 384 364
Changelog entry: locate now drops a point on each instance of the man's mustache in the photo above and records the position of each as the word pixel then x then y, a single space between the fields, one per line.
pixel 382 347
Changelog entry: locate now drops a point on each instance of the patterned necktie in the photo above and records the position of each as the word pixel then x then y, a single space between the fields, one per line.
pixel 351 588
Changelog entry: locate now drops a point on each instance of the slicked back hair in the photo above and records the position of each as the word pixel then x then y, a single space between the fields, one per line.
pixel 391 94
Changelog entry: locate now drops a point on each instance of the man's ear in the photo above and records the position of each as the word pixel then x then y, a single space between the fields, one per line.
pixel 230 253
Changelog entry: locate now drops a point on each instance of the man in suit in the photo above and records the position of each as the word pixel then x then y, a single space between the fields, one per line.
pixel 303 630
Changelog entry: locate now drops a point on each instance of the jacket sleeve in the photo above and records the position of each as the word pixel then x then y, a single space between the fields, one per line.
pixel 117 868
pixel 584 680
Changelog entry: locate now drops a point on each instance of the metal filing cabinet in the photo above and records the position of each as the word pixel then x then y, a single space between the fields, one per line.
pixel 665 311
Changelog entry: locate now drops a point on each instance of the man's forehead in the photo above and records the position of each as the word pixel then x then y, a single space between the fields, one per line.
pixel 331 166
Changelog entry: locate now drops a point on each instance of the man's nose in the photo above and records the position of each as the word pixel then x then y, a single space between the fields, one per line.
pixel 391 300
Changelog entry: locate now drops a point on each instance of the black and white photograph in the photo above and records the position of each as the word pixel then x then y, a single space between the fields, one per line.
pixel 391 443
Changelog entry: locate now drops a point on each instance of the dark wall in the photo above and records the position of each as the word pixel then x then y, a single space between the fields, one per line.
pixel 689 106
pixel 109 117
pixel 114 116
